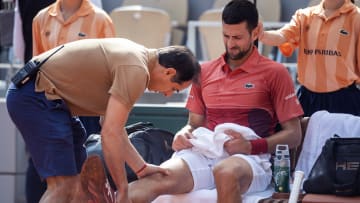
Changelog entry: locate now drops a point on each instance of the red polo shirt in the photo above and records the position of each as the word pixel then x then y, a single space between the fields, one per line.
pixel 258 94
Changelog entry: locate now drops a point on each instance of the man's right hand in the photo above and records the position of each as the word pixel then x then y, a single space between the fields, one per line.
pixel 181 140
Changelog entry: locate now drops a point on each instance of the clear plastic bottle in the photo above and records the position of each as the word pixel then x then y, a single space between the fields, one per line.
pixel 282 168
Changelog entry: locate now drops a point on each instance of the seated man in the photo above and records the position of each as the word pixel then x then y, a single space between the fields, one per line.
pixel 240 87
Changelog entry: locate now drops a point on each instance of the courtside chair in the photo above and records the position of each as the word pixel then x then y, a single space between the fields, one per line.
pixel 177 10
pixel 150 27
pixel 211 40
pixel 269 10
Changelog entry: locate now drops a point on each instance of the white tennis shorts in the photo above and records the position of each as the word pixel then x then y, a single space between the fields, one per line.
pixel 201 169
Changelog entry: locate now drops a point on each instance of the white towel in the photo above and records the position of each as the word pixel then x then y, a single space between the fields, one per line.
pixel 211 144
pixel 322 126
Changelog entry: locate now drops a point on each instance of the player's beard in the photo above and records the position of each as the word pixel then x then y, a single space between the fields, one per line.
pixel 240 54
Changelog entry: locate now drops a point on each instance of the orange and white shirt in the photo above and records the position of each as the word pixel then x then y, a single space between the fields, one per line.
pixel 329 48
pixel 50 29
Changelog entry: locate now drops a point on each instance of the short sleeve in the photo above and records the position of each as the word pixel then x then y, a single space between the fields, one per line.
pixel 287 105
pixel 129 84
pixel 291 31
pixel 195 101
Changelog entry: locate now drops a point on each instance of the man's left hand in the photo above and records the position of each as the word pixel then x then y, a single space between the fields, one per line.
pixel 237 144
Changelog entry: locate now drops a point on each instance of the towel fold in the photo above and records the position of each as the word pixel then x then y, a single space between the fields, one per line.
pixel 211 143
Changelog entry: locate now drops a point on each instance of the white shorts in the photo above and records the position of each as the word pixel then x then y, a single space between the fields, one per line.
pixel 201 169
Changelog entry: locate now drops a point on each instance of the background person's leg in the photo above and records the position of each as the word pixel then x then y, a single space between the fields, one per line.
pixel 91 124
pixel 35 187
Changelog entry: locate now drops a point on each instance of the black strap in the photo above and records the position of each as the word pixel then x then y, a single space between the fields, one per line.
pixel 47 58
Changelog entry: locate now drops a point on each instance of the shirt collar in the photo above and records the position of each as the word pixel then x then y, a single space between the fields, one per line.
pixel 85 9
pixel 152 59
pixel 247 66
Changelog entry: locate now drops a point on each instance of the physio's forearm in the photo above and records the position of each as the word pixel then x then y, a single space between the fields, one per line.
pixel 117 151
pixel 113 151
pixel 132 157
pixel 272 38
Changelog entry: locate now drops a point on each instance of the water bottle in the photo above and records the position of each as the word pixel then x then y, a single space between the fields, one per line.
pixel 282 169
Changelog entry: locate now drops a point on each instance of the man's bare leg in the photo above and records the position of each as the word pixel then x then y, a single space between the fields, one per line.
pixel 91 185
pixel 150 187
pixel 94 181
pixel 233 177
pixel 63 189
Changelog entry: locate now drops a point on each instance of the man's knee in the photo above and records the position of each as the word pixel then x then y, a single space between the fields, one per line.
pixel 234 173
pixel 223 173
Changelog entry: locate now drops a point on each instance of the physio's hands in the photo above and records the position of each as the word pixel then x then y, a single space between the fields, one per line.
pixel 151 169
pixel 122 196
pixel 237 144
pixel 181 140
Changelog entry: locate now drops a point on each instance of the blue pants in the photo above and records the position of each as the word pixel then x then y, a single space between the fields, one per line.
pixel 345 100
pixel 53 137
pixel 34 186
pixel 91 124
